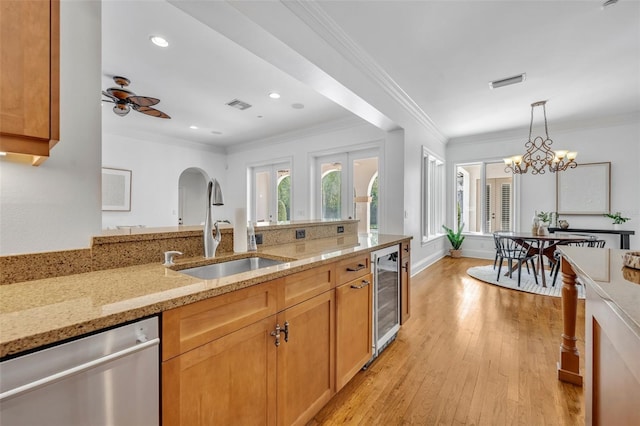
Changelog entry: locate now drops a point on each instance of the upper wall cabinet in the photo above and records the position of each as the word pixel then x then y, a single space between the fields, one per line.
pixel 29 77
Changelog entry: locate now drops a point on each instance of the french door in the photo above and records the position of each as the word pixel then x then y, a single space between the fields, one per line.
pixel 348 188
pixel 271 193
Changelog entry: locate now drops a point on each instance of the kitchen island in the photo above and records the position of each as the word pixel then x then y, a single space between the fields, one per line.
pixel 612 341
pixel 46 311
pixel 306 321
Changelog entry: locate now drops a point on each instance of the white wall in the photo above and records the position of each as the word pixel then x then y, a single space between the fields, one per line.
pixel 156 168
pixel 56 206
pixel 300 149
pixel 615 139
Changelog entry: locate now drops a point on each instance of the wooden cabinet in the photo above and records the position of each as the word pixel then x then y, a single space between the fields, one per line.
pixel 405 281
pixel 306 357
pixel 261 355
pixel 219 359
pixel 354 332
pixel 613 363
pixel 30 77
pixel 228 381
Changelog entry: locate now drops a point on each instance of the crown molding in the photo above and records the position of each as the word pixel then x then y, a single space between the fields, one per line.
pixel 322 24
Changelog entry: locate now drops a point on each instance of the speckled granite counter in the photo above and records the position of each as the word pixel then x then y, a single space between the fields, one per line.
pixel 41 312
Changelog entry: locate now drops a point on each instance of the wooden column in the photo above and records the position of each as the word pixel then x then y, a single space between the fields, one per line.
pixel 569 364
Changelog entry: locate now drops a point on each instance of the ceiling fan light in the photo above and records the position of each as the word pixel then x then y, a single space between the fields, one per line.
pixel 274 95
pixel 121 109
pixel 159 41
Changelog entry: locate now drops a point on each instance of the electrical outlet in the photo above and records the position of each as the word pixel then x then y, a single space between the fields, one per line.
pixel 258 238
pixel 340 229
pixel 300 233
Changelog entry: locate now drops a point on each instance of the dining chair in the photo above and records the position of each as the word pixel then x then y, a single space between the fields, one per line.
pixel 588 243
pixel 510 249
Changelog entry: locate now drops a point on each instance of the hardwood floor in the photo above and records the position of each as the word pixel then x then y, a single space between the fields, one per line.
pixel 471 354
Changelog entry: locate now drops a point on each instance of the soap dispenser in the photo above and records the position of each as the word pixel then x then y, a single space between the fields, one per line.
pixel 251 238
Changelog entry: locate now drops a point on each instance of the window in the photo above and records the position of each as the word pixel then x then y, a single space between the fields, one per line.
pixel 432 195
pixel 271 193
pixel 349 187
pixel 484 197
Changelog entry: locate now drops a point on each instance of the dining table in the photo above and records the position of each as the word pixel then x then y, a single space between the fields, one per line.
pixel 544 246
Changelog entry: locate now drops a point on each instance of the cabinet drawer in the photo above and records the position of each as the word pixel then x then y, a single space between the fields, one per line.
pixel 190 326
pixel 301 286
pixel 354 322
pixel 352 268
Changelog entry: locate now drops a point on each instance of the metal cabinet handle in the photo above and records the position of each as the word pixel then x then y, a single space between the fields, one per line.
pixel 286 331
pixel 276 333
pixel 78 369
pixel 406 248
pixel 359 268
pixel 363 285
pixel 406 266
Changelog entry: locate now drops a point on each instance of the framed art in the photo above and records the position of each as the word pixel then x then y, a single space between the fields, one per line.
pixel 116 189
pixel 584 190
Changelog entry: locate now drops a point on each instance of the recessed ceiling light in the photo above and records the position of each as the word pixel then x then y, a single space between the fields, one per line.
pixel 508 81
pixel 159 41
pixel 215 132
pixel 259 116
pixel 297 106
pixel 274 95
pixel 193 127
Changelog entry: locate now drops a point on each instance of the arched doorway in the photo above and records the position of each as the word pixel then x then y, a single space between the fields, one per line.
pixel 192 196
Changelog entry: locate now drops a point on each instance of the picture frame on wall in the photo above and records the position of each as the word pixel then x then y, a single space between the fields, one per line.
pixel 585 190
pixel 116 189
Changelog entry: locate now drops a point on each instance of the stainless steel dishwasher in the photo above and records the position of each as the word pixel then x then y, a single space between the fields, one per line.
pixel 108 378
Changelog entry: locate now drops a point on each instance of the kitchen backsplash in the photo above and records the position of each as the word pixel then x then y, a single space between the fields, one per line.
pixel 116 250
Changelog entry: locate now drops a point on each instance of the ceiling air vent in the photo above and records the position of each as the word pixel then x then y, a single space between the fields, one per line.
pixel 507 81
pixel 238 104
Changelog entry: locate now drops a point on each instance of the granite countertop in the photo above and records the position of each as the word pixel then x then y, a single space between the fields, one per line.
pixel 46 311
pixel 605 273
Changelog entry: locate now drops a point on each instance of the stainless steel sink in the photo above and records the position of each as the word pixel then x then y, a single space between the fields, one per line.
pixel 230 267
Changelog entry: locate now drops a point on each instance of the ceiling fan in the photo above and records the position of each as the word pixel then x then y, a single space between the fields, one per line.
pixel 125 100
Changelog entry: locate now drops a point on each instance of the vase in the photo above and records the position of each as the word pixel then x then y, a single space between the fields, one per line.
pixel 543 229
pixel 455 253
pixel 617 226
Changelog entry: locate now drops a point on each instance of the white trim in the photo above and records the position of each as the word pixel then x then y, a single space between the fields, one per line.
pixel 322 24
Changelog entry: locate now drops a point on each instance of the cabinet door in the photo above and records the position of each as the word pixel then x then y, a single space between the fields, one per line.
pixel 353 328
pixel 306 370
pixel 29 82
pixel 229 381
pixel 405 282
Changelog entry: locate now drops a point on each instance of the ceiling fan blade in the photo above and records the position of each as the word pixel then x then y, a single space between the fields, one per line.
pixel 113 98
pixel 143 101
pixel 150 111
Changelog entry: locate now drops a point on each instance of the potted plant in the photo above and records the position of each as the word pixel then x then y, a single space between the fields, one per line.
pixel 618 219
pixel 545 220
pixel 456 239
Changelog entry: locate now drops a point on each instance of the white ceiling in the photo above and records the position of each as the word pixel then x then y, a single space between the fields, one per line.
pixel 583 59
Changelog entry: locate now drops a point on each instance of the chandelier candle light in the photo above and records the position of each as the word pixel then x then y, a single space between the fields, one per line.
pixel 539 154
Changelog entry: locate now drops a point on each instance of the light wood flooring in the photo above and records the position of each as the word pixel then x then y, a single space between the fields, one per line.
pixel 471 354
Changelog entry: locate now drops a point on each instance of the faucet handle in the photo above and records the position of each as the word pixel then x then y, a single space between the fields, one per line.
pixel 168 257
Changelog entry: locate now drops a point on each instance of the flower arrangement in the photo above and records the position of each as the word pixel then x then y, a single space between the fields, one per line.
pixel 617 218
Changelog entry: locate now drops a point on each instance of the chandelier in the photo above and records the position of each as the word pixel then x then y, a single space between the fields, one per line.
pixel 539 154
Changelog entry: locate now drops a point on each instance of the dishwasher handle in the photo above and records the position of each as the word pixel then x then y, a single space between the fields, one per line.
pixel 77 369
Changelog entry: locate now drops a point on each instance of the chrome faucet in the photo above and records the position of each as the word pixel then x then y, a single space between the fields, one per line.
pixel 214 198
